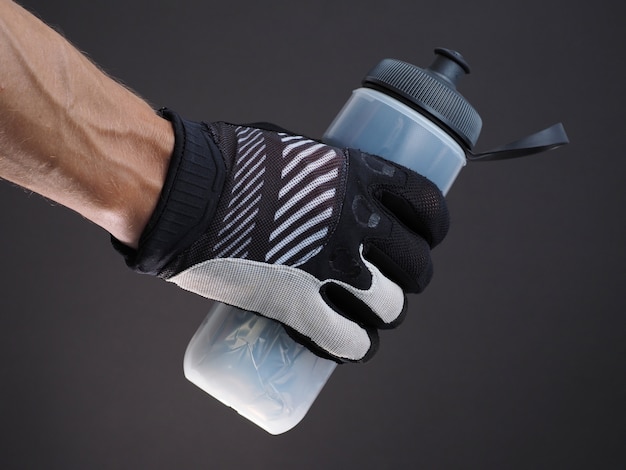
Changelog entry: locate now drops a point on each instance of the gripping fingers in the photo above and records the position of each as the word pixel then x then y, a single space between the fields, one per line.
pixel 293 297
pixel 409 198
pixel 403 257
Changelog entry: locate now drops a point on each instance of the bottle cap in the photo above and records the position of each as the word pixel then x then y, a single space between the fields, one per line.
pixel 431 91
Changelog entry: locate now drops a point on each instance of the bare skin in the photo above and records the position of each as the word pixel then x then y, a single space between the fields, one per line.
pixel 74 135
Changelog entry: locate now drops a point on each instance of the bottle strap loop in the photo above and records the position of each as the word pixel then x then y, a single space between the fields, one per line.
pixel 547 139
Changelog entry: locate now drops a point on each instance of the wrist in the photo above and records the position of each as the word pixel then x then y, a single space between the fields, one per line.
pixel 146 169
pixel 187 200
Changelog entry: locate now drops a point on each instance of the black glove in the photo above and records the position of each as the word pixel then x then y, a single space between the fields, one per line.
pixel 323 240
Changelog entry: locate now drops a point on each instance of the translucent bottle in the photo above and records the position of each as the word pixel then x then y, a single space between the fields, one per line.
pixel 407 114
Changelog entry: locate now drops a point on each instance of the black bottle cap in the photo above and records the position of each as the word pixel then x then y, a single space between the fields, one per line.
pixel 431 91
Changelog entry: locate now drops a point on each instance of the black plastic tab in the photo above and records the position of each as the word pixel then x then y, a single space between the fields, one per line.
pixel 542 141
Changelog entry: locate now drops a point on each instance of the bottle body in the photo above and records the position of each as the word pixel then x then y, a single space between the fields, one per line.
pixel 249 362
pixel 381 125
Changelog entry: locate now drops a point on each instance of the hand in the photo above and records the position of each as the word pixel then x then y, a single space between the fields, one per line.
pixel 325 241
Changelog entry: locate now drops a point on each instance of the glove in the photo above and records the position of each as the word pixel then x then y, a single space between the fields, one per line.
pixel 324 240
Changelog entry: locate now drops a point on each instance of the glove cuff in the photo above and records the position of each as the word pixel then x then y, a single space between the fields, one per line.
pixel 188 199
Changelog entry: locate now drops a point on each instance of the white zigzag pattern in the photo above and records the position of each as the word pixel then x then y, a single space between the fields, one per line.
pixel 246 193
pixel 304 231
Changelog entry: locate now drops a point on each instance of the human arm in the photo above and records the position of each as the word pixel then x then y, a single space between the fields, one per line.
pixel 344 233
pixel 74 135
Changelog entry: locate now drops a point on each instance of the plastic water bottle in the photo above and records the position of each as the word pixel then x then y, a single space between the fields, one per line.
pixel 404 113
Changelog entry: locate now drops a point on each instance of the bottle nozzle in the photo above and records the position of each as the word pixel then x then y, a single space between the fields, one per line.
pixel 449 65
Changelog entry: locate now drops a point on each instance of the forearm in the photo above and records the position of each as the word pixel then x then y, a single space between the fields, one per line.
pixel 72 134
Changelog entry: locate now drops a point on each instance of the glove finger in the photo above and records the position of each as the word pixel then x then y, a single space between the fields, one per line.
pixel 342 354
pixel 403 257
pixel 381 305
pixel 410 198
pixel 290 296
pixel 328 332
pixel 418 205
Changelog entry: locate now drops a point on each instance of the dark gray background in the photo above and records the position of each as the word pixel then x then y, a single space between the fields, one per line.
pixel 514 356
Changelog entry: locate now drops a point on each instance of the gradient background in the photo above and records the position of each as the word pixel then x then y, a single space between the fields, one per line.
pixel 514 358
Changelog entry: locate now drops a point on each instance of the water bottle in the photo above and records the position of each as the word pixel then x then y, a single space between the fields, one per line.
pixel 404 113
